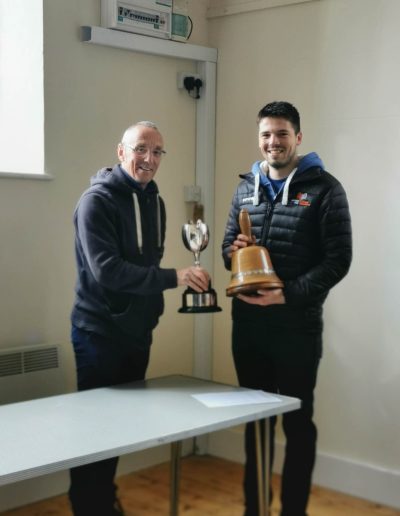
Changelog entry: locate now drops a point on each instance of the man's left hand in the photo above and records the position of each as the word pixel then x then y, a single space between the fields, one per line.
pixel 265 297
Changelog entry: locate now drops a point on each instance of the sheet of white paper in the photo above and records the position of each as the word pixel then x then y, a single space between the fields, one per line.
pixel 226 399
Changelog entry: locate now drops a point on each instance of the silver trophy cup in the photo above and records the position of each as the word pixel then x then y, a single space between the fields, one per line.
pixel 195 237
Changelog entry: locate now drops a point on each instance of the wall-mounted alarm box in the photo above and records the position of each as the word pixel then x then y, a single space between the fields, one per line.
pixel 148 17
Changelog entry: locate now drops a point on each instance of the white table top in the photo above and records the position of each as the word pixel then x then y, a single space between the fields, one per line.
pixel 51 434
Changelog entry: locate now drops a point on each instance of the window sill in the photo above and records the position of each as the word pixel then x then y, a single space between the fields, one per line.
pixel 17 175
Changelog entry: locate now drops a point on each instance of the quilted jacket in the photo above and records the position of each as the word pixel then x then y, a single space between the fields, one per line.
pixel 308 236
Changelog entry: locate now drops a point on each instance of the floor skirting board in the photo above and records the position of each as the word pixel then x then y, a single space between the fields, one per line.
pixel 340 474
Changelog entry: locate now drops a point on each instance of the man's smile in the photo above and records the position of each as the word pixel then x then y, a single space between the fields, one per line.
pixel 275 152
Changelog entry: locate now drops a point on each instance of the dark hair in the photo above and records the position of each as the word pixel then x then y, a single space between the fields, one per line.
pixel 281 109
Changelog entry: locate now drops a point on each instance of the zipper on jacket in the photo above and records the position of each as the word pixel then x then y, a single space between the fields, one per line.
pixel 267 223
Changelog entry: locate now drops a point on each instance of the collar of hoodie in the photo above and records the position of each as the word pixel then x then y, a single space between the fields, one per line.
pixel 260 177
pixel 260 169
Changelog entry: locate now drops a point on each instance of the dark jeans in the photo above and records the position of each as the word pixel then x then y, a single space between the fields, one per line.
pixel 284 361
pixel 102 362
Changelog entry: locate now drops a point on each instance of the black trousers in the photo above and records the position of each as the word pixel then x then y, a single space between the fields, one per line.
pixel 284 361
pixel 102 362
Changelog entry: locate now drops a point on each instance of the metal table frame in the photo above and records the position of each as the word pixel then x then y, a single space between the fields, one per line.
pixel 46 435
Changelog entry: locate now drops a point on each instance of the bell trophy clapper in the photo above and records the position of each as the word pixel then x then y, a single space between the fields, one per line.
pixel 251 266
pixel 195 236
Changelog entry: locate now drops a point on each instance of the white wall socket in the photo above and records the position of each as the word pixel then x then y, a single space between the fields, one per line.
pixel 192 193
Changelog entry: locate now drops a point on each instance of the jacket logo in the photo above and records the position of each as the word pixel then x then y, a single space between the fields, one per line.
pixel 246 200
pixel 301 200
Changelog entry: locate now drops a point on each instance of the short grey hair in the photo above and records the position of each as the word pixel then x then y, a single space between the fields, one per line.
pixel 145 123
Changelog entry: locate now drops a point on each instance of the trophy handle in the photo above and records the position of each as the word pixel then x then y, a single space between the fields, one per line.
pixel 245 224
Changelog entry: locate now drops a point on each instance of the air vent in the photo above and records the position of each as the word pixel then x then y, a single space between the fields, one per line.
pixel 39 359
pixel 28 360
pixel 10 364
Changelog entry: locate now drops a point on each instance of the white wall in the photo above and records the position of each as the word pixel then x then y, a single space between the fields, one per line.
pixel 337 61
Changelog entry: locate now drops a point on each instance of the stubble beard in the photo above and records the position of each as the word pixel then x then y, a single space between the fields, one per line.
pixel 278 165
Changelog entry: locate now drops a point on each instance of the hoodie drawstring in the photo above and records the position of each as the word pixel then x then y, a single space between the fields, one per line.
pixel 256 200
pixel 285 195
pixel 158 222
pixel 138 220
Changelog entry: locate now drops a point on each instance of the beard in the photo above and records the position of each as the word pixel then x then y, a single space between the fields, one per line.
pixel 279 163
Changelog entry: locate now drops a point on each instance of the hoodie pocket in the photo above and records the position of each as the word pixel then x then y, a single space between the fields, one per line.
pixel 141 315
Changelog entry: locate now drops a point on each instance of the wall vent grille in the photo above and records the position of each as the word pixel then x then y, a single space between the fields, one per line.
pixel 28 360
pixel 10 364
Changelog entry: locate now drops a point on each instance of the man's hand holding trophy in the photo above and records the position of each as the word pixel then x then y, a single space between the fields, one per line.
pixel 252 268
pixel 195 236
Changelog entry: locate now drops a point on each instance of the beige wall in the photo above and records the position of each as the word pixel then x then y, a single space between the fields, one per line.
pixel 337 61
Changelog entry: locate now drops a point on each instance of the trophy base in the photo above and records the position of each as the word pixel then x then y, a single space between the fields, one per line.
pixel 251 288
pixel 199 302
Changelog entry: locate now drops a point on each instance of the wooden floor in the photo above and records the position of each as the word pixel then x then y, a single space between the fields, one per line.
pixel 209 487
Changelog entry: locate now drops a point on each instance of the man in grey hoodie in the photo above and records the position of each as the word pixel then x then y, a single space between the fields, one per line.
pixel 120 226
pixel 299 212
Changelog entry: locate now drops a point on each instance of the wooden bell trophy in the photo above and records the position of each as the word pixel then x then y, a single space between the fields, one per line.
pixel 251 266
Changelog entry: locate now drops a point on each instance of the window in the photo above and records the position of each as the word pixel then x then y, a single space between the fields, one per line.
pixel 21 88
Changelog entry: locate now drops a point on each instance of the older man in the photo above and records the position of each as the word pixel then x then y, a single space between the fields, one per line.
pixel 120 229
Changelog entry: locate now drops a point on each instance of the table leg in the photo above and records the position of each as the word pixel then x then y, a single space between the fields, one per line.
pixel 262 466
pixel 175 477
pixel 267 474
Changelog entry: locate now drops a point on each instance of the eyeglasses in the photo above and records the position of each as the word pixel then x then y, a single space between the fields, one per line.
pixel 142 150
